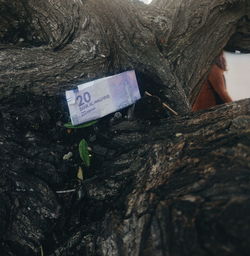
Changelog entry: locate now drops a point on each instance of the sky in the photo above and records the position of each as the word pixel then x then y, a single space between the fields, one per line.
pixel 238 74
pixel 146 1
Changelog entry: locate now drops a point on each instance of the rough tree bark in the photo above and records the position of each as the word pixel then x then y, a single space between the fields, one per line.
pixel 173 186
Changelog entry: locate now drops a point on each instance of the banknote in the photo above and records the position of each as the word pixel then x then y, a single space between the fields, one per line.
pixel 98 98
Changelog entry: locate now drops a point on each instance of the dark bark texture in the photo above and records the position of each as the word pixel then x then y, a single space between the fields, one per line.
pixel 158 184
pixel 81 40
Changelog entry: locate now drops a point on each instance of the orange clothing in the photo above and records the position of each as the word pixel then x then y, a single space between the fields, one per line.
pixel 213 91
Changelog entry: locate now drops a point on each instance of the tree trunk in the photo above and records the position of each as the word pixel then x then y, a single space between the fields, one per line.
pixel 82 40
pixel 156 186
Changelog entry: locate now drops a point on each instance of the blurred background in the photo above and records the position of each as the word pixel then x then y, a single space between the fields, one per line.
pixel 238 75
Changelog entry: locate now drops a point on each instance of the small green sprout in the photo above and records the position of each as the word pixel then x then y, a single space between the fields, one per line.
pixel 83 145
pixel 84 152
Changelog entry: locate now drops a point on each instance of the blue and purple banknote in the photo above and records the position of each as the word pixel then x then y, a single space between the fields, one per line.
pixel 98 98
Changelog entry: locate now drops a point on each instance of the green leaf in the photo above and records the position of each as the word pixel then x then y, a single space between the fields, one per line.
pixel 84 152
pixel 71 126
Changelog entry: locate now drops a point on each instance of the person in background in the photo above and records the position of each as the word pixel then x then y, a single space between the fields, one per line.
pixel 213 91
